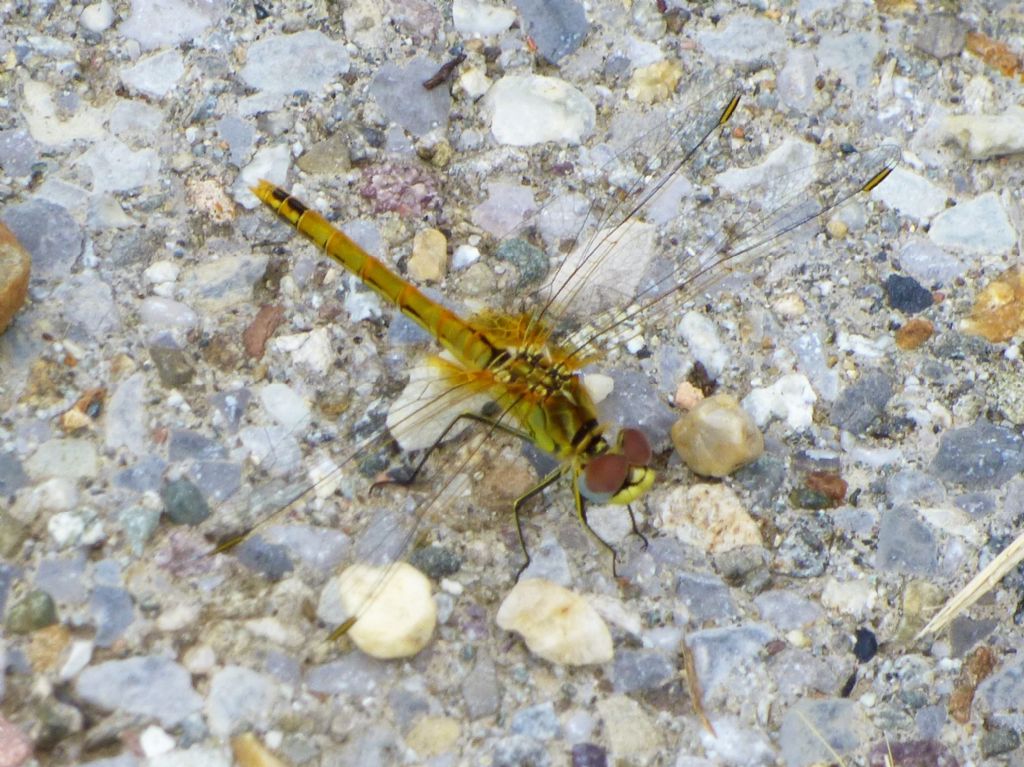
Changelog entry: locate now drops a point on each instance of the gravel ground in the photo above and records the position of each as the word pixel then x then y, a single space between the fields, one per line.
pixel 184 358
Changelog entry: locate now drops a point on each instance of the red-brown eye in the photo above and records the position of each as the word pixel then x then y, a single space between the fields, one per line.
pixel 635 447
pixel 604 477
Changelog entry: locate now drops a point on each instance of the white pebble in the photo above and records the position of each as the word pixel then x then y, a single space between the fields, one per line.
pixel 78 657
pixel 791 398
pixel 66 527
pixel 986 136
pixel 532 109
pixel 200 659
pixel 285 405
pixel 154 741
pixel 395 613
pixel 97 17
pixel 556 624
pixel 598 386
pixel 162 271
pixel 465 256
pixel 473 18
pixel 701 336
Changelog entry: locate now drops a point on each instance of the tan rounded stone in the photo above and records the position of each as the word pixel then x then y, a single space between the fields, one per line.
pixel 717 437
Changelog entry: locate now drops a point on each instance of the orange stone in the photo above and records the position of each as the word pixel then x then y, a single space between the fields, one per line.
pixel 914 333
pixel 15 265
pixel 998 313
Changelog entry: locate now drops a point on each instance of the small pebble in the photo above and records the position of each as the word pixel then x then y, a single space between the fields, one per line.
pixel 475 18
pixel 905 294
pixel 172 366
pixel 15 745
pixel 395 613
pixel 632 737
pixel 717 437
pixel 183 503
pixel 941 35
pixel 32 612
pixel 655 82
pixel 148 685
pixel 432 736
pixel 914 333
pixel 865 646
pixel 429 256
pixel 557 625
pixel 557 27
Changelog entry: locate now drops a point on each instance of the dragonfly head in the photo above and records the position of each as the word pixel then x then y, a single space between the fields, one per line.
pixel 621 474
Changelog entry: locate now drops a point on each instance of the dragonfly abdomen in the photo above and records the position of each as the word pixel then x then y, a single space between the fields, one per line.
pixel 469 345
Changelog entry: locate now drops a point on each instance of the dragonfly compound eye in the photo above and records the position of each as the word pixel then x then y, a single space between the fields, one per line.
pixel 634 445
pixel 603 477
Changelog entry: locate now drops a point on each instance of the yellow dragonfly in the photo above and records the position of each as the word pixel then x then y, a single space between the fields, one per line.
pixel 533 376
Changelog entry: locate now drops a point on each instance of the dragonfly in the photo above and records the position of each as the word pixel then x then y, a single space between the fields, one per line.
pixel 533 376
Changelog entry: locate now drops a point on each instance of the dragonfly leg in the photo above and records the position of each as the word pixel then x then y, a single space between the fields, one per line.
pixel 636 530
pixel 581 513
pixel 518 504
pixel 411 477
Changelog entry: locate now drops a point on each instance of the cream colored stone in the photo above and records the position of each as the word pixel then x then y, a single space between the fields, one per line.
pixel 710 517
pixel 632 736
pixel 432 736
pixel 394 610
pixel 556 624
pixel 429 256
pixel 655 82
pixel 717 437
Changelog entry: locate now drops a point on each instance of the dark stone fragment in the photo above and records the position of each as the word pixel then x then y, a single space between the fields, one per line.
pixel 183 503
pixel 981 456
pixel 435 561
pixel 865 646
pixel 269 559
pixel 557 27
pixel 999 741
pixel 941 35
pixel 862 403
pixel 172 366
pixel 589 755
pixel 907 295
pixel 911 753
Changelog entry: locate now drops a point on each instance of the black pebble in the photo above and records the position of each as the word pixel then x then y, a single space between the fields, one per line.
pixel 906 294
pixel 865 646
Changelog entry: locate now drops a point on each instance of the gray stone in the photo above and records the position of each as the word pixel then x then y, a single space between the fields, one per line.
pixel 150 686
pixel 940 35
pixel 400 93
pixel 112 612
pixel 981 456
pixel 558 27
pixel 906 544
pixel 863 402
pixel 183 503
pixel 705 597
pixel 49 233
pixel 635 670
pixel 539 722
